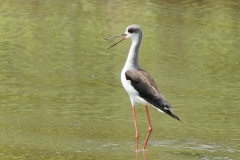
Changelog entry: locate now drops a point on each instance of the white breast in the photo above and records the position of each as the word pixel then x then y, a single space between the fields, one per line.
pixel 134 95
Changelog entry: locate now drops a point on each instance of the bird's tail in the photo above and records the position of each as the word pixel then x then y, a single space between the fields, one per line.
pixel 165 107
pixel 169 112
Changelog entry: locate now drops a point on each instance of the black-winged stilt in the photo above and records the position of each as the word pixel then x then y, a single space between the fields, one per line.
pixel 139 84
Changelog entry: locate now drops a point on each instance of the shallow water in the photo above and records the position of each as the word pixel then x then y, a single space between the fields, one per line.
pixel 61 95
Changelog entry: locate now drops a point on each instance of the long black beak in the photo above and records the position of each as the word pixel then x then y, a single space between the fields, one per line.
pixel 115 37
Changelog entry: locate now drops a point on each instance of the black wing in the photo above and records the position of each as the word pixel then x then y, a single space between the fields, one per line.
pixel 147 89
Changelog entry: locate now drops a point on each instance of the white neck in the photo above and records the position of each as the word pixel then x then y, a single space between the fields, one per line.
pixel 132 59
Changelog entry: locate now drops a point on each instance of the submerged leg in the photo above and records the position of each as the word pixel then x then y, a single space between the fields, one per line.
pixel 149 129
pixel 136 128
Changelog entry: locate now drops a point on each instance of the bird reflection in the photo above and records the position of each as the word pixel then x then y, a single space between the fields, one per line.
pixel 144 155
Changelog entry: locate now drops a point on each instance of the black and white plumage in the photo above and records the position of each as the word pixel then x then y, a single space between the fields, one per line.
pixel 143 83
pixel 138 83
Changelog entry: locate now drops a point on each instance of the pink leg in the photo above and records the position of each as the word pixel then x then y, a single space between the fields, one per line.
pixel 136 128
pixel 149 129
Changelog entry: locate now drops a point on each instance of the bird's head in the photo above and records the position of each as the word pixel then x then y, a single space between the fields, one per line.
pixel 132 31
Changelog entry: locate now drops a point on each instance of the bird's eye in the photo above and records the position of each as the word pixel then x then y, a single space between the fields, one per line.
pixel 130 30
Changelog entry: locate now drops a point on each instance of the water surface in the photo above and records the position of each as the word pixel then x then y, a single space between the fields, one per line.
pixel 61 95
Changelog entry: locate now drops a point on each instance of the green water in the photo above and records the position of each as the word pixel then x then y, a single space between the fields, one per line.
pixel 60 90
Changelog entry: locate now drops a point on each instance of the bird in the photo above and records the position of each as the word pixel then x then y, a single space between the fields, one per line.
pixel 139 84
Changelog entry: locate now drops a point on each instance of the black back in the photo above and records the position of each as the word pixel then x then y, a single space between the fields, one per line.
pixel 148 90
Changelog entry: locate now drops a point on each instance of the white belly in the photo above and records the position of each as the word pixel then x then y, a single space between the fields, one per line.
pixel 134 95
